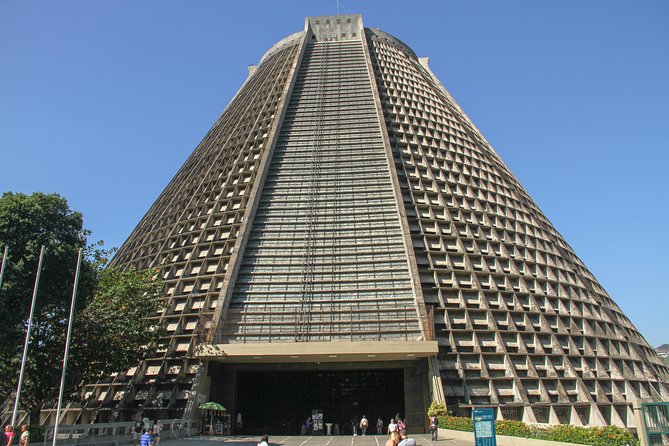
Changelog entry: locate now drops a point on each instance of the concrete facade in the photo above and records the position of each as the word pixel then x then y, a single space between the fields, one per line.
pixel 344 211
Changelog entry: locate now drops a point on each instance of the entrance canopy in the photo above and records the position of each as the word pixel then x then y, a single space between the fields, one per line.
pixel 318 351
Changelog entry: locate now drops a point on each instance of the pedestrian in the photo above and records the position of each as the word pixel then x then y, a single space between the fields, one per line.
pixel 364 423
pixel 434 428
pixel 400 424
pixel 308 426
pixel 157 427
pixel 24 440
pixel 138 429
pixel 354 426
pixel 379 426
pixel 393 439
pixel 264 440
pixel 406 441
pixel 148 424
pixel 146 439
pixel 9 435
pixel 392 427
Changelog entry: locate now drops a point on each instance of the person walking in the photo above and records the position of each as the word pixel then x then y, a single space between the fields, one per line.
pixel 379 426
pixel 9 435
pixel 137 431
pixel 157 427
pixel 392 427
pixel 406 441
pixel 364 423
pixel 148 423
pixel 434 428
pixel 393 439
pixel 24 439
pixel 146 439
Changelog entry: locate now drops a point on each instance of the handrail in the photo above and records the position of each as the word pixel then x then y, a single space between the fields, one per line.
pixel 116 433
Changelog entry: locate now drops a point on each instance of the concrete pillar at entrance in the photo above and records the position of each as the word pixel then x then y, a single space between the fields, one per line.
pixel 639 421
pixel 415 410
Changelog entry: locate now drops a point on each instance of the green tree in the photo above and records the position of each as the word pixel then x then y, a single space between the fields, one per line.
pixel 437 410
pixel 111 330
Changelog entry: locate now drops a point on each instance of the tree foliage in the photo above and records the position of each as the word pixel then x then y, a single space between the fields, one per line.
pixel 436 409
pixel 111 331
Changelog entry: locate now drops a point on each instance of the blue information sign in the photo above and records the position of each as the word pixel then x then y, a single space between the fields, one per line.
pixel 484 426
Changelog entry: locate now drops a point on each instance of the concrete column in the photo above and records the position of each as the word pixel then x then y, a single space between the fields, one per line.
pixel 639 421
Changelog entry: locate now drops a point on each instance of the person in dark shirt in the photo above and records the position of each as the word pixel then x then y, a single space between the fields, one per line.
pixel 137 432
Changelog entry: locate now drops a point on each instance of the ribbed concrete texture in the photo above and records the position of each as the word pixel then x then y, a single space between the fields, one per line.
pixel 344 197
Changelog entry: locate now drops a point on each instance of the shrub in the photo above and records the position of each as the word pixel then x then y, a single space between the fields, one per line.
pixel 456 423
pixel 36 433
pixel 595 436
pixel 568 434
pixel 513 428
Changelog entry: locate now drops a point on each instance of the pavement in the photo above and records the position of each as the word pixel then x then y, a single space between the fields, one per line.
pixel 320 440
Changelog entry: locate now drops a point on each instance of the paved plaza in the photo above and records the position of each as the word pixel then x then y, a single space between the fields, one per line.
pixel 338 440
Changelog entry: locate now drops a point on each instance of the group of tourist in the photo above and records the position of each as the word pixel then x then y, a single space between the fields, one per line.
pixel 24 439
pixel 146 432
pixel 362 425
pixel 395 429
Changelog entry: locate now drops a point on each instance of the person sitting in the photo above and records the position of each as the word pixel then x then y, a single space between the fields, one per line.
pixel 406 441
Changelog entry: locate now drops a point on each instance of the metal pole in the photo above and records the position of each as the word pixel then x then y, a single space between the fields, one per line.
pixel 4 260
pixel 25 346
pixel 67 348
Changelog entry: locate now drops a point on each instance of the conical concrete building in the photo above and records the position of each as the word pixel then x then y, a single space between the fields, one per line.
pixel 344 241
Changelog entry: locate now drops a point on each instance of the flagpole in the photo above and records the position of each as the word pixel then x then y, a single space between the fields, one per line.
pixel 4 260
pixel 67 348
pixel 25 346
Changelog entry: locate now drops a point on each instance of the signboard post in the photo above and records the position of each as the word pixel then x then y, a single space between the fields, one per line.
pixel 317 421
pixel 484 426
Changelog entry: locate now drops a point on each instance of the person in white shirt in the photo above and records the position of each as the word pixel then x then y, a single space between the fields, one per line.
pixel 157 426
pixel 24 439
pixel 363 424
pixel 392 427
pixel 264 440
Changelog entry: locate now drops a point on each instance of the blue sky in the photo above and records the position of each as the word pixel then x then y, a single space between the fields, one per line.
pixel 102 101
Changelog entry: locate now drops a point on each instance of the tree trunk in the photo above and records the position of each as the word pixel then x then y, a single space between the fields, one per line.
pixel 34 415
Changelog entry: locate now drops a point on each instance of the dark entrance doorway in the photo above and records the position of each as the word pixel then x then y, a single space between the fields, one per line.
pixel 280 402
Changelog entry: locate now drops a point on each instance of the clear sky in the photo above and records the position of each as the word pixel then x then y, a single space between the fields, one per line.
pixel 102 101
